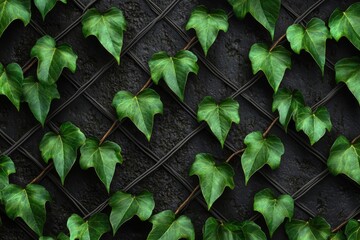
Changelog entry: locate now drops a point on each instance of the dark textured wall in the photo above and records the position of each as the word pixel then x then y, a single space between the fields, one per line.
pixel 331 197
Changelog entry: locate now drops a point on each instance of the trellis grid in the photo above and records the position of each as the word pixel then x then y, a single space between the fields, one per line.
pixel 81 90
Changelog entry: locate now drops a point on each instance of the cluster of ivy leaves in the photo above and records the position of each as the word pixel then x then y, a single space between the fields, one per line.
pixel 62 147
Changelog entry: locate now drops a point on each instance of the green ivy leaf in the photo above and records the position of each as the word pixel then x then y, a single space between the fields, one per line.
pixel 314 229
pixel 274 209
pixel 12 10
pixel 348 71
pixel 39 96
pixel 219 116
pixel 140 109
pixel 11 81
pixel 266 12
pixel 91 229
pixel 273 63
pixel 338 236
pixel 346 24
pixel 27 203
pixel 107 27
pixel 260 151
pixel 207 24
pixel 103 157
pixel 312 39
pixel 167 226
pixel 61 236
pixel 125 206
pixel 352 230
pixel 174 70
pixel 314 124
pixel 52 59
pixel 247 230
pixel 62 148
pixel 214 178
pixel 45 6
pixel 7 167
pixel 287 103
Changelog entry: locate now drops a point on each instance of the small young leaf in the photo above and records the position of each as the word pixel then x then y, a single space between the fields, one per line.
pixel 91 229
pixel 62 148
pixel 352 230
pixel 7 167
pixel 266 12
pixel 273 63
pixel 52 59
pixel 140 109
pixel 274 210
pixel 314 124
pixel 346 24
pixel 260 151
pixel 167 226
pixel 219 116
pixel 348 71
pixel 247 230
pixel 207 24
pixel 107 27
pixel 27 203
pixel 338 236
pixel 45 6
pixel 345 159
pixel 312 39
pixel 174 70
pixel 314 229
pixel 125 206
pixel 102 157
pixel 11 81
pixel 214 178
pixel 39 96
pixel 287 103
pixel 12 10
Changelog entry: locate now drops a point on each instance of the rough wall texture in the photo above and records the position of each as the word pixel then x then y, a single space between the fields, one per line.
pixel 226 69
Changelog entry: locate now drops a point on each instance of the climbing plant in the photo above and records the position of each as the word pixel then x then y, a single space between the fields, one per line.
pixel 62 147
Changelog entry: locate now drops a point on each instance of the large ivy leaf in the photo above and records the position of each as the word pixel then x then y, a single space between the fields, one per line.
pixel 12 10
pixel 174 70
pixel 103 157
pixel 11 81
pixel 312 39
pixel 107 27
pixel 219 116
pixel 61 236
pixel 348 71
pixel 207 24
pixel 45 6
pixel 273 63
pixel 338 236
pixel 266 12
pixel 166 226
pixel 346 24
pixel 214 178
pixel 27 203
pixel 260 151
pixel 62 148
pixel 314 124
pixel 287 103
pixel 352 230
pixel 314 229
pixel 39 96
pixel 274 209
pixel 52 59
pixel 7 167
pixel 140 109
pixel 125 206
pixel 91 229
pixel 247 230
pixel 345 158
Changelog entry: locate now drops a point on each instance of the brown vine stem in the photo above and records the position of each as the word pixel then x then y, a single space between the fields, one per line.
pixel 113 126
pixel 277 42
pixel 355 139
pixel 42 174
pixel 270 127
pixel 187 200
pixel 27 68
